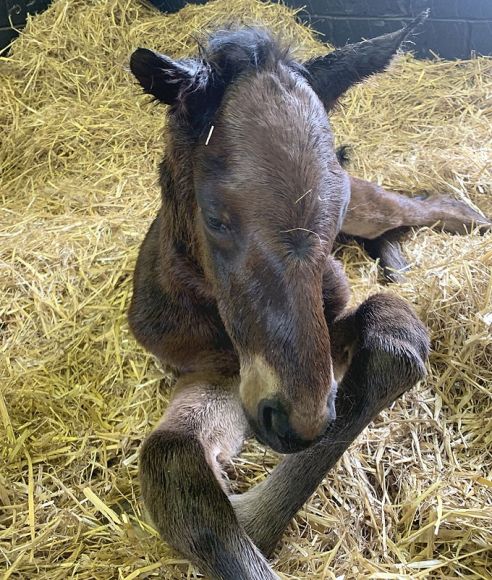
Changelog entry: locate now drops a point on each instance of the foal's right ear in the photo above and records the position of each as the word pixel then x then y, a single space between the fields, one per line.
pixel 161 77
pixel 331 75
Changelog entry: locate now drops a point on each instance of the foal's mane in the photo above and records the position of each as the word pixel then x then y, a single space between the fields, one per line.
pixel 233 51
pixel 223 57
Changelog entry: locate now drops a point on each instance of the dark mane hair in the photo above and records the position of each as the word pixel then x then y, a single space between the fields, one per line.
pixel 233 51
pixel 223 57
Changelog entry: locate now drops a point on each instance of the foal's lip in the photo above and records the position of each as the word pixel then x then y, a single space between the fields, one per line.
pixel 284 445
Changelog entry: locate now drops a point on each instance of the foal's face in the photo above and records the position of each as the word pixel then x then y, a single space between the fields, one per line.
pixel 270 197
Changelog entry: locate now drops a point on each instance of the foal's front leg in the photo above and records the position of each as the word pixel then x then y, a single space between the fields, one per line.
pixel 182 485
pixel 385 347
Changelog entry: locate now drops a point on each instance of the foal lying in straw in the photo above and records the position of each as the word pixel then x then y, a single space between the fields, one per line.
pixel 236 290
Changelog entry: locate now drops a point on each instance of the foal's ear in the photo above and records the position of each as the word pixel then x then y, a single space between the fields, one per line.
pixel 162 77
pixel 331 75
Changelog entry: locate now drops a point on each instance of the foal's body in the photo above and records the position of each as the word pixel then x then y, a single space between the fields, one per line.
pixel 235 290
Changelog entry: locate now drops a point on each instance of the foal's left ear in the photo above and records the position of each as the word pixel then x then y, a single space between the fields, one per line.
pixel 331 75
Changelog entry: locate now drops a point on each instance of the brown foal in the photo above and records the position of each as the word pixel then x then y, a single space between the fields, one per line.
pixel 236 291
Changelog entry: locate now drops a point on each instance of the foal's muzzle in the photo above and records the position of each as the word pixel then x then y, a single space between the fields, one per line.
pixel 272 426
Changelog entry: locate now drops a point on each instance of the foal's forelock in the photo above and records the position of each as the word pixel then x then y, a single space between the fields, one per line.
pixel 226 57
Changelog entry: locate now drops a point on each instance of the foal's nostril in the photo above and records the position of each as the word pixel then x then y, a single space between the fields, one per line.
pixel 273 418
pixel 266 413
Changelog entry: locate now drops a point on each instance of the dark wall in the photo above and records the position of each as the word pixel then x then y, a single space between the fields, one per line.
pixel 455 29
pixel 13 16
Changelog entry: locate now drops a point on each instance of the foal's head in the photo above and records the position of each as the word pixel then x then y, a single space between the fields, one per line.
pixel 269 199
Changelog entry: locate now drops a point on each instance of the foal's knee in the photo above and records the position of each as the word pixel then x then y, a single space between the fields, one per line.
pixel 163 466
pixel 386 347
pixel 191 510
pixel 386 321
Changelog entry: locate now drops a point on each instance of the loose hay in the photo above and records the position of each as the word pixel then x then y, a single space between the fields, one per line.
pixel 412 499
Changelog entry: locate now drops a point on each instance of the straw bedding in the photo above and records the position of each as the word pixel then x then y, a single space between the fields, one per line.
pixel 80 145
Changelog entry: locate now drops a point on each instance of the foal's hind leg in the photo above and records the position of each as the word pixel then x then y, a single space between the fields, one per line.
pixel 182 484
pixel 378 218
pixel 387 250
pixel 372 211
pixel 385 346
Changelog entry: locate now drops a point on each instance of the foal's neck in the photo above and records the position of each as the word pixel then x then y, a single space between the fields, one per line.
pixel 180 256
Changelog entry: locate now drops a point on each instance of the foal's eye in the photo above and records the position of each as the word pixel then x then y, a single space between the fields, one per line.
pixel 216 226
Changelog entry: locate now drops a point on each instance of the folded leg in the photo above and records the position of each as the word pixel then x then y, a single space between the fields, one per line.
pixel 182 484
pixel 372 211
pixel 382 347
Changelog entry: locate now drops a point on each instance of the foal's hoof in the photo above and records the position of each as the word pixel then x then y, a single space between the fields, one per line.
pixel 393 275
pixel 392 263
pixel 458 217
